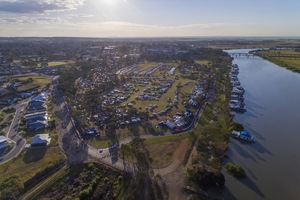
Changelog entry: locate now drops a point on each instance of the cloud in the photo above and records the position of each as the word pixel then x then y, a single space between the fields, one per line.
pixel 38 6
pixel 79 16
pixel 25 20
pixel 134 26
pixel 44 26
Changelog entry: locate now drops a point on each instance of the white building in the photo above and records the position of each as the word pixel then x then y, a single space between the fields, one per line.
pixel 3 142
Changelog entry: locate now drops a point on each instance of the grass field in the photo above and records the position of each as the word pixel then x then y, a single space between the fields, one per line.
pixel 289 63
pixel 172 138
pixel 282 51
pixel 202 62
pixel 38 81
pixel 29 162
pixel 57 63
pixel 45 184
pixel 161 149
pixel 188 85
pixel 162 154
pixel 146 65
pixel 50 64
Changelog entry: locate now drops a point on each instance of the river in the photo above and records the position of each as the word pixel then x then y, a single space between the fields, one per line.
pixel 272 163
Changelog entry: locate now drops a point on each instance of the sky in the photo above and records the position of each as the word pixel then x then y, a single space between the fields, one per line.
pixel 149 18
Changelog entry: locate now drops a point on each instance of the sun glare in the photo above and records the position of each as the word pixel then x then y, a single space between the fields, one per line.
pixel 113 2
pixel 110 2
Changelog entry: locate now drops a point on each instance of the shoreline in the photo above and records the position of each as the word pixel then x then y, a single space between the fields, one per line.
pixel 275 61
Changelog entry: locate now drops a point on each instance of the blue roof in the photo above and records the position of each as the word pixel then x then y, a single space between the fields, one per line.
pixel 245 133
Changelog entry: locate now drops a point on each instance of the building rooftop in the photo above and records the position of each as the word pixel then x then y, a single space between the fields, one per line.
pixel 41 139
pixel 3 139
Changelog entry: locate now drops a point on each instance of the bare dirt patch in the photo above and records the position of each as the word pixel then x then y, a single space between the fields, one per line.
pixel 162 154
pixel 173 174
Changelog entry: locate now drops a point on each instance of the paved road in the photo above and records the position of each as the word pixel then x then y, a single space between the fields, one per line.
pixel 12 133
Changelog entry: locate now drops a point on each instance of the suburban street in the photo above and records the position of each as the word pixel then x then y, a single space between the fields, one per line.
pixel 12 133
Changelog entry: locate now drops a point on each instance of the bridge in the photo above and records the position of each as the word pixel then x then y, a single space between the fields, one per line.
pixel 242 54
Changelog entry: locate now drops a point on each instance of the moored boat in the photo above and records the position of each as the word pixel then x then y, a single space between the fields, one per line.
pixel 243 135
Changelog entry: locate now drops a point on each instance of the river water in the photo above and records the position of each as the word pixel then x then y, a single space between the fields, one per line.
pixel 272 163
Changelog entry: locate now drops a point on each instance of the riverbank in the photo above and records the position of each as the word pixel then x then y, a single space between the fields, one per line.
pixel 287 58
pixel 213 134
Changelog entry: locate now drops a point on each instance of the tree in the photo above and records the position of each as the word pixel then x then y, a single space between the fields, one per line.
pixel 132 111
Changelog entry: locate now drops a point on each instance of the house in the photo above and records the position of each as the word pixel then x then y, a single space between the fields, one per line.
pixel 25 95
pixel 32 120
pixel 170 125
pixel 37 106
pixel 35 116
pixel 3 142
pixel 41 97
pixel 37 125
pixel 40 140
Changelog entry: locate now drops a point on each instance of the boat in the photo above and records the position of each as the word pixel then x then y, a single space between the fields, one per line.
pixel 243 135
pixel 236 102
pixel 237 97
pixel 238 109
pixel 237 106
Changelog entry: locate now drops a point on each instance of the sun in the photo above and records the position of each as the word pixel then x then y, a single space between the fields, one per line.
pixel 113 2
pixel 110 2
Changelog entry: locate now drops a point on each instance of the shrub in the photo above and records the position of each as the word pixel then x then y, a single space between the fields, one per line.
pixel 84 194
pixel 120 178
pixel 106 180
pixel 235 170
pixel 236 126
pixel 206 179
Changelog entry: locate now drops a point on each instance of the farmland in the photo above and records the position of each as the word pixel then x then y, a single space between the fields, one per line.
pixel 278 56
